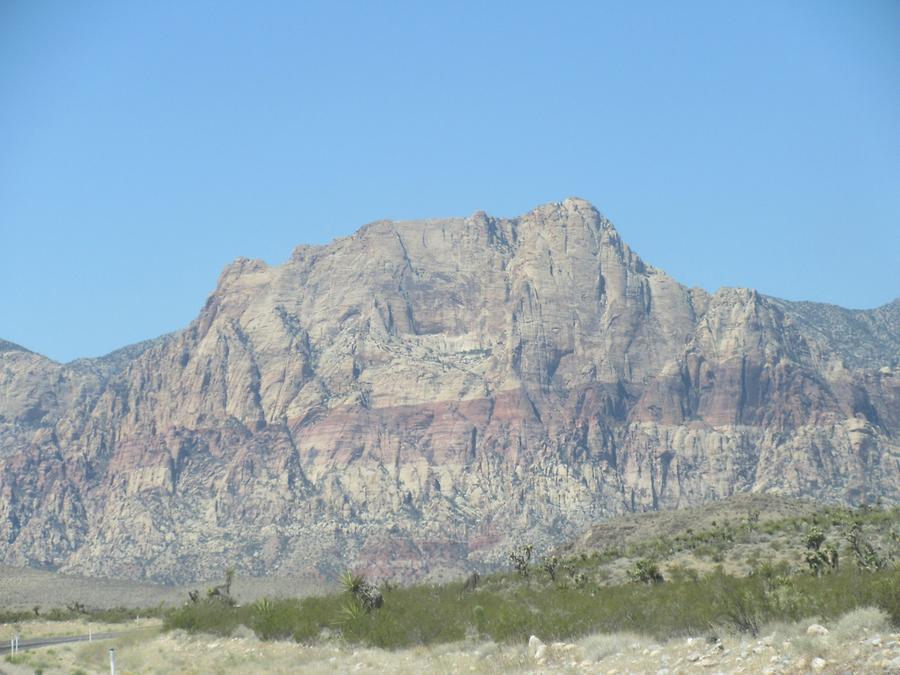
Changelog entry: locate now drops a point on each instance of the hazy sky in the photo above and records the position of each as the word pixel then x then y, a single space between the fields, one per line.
pixel 144 145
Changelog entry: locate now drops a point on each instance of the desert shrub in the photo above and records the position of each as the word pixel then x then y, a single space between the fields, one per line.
pixel 508 609
pixel 275 619
pixel 123 614
pixel 888 595
pixel 14 616
pixel 109 615
pixel 645 571
pixel 681 573
pixel 741 603
pixel 414 615
pixel 207 616
pixel 314 615
pixel 772 572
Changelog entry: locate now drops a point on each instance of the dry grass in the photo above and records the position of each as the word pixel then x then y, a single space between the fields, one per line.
pixel 861 641
pixel 35 629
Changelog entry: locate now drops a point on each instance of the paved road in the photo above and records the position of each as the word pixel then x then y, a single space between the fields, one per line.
pixel 47 641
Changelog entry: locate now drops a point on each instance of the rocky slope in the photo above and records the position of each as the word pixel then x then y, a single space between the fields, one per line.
pixel 413 398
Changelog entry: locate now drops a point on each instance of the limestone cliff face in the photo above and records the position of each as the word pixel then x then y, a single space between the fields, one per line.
pixel 416 397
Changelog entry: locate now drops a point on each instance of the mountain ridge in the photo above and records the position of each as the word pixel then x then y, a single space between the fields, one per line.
pixel 415 397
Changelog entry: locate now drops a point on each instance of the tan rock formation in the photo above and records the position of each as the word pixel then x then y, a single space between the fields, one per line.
pixel 416 397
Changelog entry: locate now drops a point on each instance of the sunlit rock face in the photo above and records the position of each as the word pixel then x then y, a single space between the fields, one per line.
pixel 413 399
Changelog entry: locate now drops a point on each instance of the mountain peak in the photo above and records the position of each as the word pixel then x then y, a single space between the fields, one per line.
pixel 443 387
pixel 571 206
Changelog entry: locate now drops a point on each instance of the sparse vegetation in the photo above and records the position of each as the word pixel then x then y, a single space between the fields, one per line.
pixel 505 611
pixel 584 592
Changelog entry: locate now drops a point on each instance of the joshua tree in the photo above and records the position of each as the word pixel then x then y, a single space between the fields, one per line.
pixel 819 557
pixel 867 558
pixel 752 518
pixel 550 566
pixel 471 583
pixel 222 592
pixel 520 557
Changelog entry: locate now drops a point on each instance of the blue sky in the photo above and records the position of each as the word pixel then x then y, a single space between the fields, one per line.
pixel 144 145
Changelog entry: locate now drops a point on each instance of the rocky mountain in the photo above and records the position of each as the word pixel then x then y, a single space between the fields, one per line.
pixel 416 397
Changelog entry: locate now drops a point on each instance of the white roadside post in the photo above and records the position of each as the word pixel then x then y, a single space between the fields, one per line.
pixel 112 662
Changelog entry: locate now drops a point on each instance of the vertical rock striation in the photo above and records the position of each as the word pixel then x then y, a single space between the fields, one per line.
pixel 415 397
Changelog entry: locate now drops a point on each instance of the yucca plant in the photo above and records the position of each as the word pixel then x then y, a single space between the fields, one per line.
pixel 366 595
pixel 351 610
pixel 352 583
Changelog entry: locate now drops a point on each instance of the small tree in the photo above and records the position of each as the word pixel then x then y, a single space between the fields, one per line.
pixel 550 566
pixel 814 538
pixel 222 592
pixel 752 518
pixel 819 555
pixel 520 557
pixel 867 558
pixel 471 583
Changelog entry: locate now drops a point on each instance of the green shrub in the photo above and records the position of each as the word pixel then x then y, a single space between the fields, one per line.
pixel 741 602
pixel 888 595
pixel 645 571
pixel 681 573
pixel 512 611
pixel 275 619
pixel 207 616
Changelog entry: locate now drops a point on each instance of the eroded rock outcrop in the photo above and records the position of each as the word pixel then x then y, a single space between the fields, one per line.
pixel 415 397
